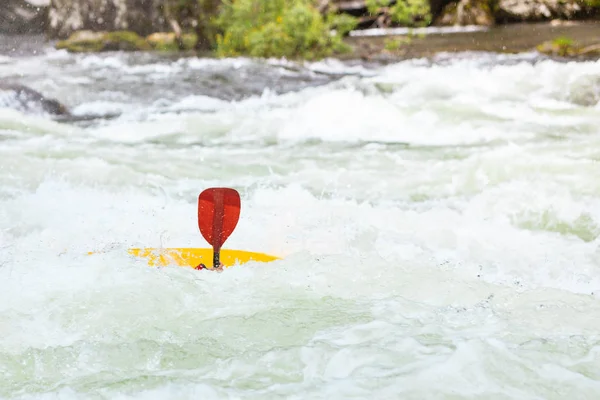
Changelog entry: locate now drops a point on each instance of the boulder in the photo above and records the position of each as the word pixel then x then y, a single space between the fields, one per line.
pixel 88 41
pixel 29 101
pixel 466 12
pixel 141 16
pixel 144 17
pixel 23 16
pixel 565 47
pixel 539 10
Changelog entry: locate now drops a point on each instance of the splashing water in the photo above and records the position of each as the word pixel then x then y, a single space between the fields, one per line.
pixel 438 223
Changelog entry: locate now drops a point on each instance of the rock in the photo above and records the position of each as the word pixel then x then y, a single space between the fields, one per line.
pixel 560 22
pixel 87 41
pixel 355 7
pixel 539 10
pixel 437 6
pixel 591 51
pixel 561 47
pixel 82 41
pixel 565 47
pixel 29 101
pixel 23 16
pixel 141 16
pixel 466 12
pixel 167 41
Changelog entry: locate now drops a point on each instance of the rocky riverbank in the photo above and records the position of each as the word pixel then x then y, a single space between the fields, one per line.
pixel 555 27
pixel 578 39
pixel 68 16
pixel 575 39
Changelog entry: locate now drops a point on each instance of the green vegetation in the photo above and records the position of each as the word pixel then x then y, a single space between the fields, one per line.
pixel 255 28
pixel 566 47
pixel 413 13
pixel 289 28
pixel 280 28
pixel 564 44
pixel 561 46
pixel 394 44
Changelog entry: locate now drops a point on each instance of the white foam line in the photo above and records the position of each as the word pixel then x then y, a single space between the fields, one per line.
pixel 426 31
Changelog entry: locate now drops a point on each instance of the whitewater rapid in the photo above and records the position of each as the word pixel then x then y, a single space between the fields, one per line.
pixel 438 222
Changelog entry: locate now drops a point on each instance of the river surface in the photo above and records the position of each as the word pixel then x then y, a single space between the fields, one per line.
pixel 438 219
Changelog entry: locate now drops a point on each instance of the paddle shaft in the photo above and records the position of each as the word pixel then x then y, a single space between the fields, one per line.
pixel 218 217
pixel 216 258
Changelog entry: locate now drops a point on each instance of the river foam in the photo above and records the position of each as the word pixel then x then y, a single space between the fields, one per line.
pixel 438 223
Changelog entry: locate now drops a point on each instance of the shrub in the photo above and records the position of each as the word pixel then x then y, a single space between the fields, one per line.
pixel 564 45
pixel 413 13
pixel 394 44
pixel 280 28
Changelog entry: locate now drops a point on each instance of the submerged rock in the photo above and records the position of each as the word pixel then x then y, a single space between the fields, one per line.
pixel 87 41
pixel 167 41
pixel 29 101
pixel 23 16
pixel 561 47
pixel 566 47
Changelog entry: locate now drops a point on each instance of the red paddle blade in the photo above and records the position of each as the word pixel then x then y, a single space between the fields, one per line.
pixel 218 214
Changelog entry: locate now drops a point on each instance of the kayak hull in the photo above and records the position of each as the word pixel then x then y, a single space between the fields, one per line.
pixel 192 257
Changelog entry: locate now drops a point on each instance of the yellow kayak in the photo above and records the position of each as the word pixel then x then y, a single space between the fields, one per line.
pixel 192 257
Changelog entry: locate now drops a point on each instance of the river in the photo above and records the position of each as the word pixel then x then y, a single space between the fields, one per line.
pixel 438 220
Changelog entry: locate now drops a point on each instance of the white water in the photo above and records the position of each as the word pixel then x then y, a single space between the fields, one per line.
pixel 439 226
